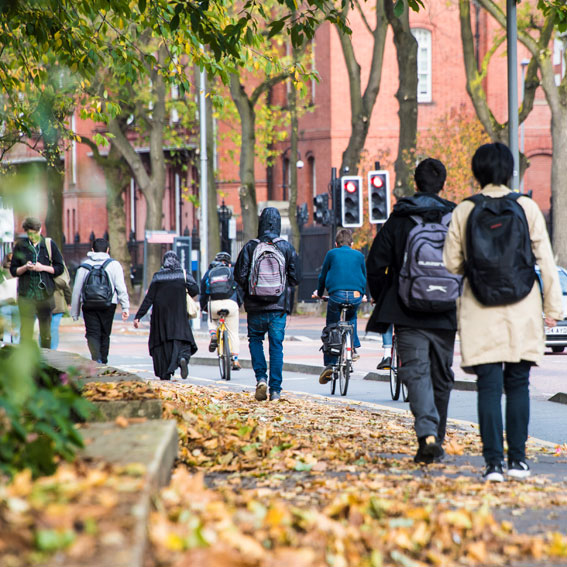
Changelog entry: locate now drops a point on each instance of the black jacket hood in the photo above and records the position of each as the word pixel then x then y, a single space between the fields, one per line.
pixel 422 203
pixel 270 223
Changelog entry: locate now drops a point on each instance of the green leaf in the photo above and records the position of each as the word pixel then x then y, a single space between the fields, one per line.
pixel 399 8
pixel 142 6
pixel 300 466
pixel 53 540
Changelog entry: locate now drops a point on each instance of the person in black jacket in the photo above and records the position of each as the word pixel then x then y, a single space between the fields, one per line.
pixel 425 340
pixel 267 316
pixel 36 271
pixel 171 341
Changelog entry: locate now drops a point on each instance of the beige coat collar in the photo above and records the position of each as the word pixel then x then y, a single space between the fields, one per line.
pixel 495 190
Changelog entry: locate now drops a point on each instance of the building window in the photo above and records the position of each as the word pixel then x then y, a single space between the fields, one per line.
pixel 312 179
pixel 423 38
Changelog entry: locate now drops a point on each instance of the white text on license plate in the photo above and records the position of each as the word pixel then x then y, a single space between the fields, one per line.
pixel 556 330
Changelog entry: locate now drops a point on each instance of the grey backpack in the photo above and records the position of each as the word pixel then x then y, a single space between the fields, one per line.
pixel 267 271
pixel 424 284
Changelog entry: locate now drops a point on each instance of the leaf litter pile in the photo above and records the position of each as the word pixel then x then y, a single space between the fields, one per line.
pixel 295 483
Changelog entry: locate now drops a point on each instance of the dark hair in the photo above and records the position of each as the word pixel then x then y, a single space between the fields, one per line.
pixel 430 176
pixel 493 163
pixel 31 223
pixel 100 245
pixel 344 237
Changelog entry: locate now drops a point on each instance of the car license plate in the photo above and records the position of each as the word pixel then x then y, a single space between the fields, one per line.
pixel 559 330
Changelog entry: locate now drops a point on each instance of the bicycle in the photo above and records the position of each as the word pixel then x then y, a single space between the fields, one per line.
pixel 396 385
pixel 223 346
pixel 342 369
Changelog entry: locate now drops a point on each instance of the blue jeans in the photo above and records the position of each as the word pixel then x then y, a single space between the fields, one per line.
pixel 10 324
pixel 334 315
pixel 387 337
pixel 55 322
pixel 273 323
pixel 514 378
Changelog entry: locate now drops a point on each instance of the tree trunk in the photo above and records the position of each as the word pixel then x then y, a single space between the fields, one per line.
pixel 292 102
pixel 559 183
pixel 117 176
pixel 55 181
pixel 247 190
pixel 361 105
pixel 406 52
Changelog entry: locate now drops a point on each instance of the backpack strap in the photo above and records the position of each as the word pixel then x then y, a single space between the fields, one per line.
pixel 416 219
pixel 107 261
pixel 477 199
pixel 87 267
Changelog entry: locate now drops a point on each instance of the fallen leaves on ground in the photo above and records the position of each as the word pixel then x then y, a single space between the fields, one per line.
pixel 301 483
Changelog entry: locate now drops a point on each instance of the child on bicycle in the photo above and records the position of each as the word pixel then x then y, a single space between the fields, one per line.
pixel 344 276
pixel 219 292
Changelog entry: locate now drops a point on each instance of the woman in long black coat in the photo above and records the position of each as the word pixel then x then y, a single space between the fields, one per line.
pixel 171 341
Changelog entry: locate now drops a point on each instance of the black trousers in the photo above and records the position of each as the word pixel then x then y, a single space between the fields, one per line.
pixel 514 379
pixel 426 358
pixel 98 326
pixel 29 310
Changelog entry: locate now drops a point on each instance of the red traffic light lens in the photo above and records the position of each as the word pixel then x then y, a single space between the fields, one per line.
pixel 377 181
pixel 351 187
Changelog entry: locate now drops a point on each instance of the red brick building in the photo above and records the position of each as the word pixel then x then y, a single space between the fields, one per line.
pixel 325 131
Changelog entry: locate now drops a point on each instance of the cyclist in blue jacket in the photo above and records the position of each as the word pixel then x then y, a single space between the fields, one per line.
pixel 344 276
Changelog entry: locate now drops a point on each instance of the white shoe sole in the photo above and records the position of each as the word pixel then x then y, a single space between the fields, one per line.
pixel 494 477
pixel 518 474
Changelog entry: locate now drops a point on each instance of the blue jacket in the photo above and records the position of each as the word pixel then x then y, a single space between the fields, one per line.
pixel 343 270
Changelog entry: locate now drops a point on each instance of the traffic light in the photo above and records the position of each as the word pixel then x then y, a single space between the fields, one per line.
pixel 351 201
pixel 378 196
pixel 321 209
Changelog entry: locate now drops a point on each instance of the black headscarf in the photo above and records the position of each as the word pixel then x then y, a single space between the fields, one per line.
pixel 170 268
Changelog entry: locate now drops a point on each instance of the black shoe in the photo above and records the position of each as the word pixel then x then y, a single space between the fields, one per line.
pixel 213 344
pixel 327 374
pixel 493 473
pixel 236 365
pixel 518 469
pixel 261 391
pixel 428 451
pixel 183 367
pixel 355 355
pixel 385 363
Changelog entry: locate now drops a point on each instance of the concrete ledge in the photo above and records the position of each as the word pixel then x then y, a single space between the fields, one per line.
pixel 559 398
pixel 246 363
pixel 109 411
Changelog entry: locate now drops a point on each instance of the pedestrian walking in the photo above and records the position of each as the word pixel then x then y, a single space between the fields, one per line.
pixel 171 341
pixel 99 287
pixel 219 292
pixel 424 316
pixel 500 311
pixel 9 316
pixel 343 275
pixel 36 270
pixel 266 269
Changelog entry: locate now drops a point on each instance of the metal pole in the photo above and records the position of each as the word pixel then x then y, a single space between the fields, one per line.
pixel 203 225
pixel 335 204
pixel 512 38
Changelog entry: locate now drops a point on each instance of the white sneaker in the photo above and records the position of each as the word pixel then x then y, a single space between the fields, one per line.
pixel 493 473
pixel 518 469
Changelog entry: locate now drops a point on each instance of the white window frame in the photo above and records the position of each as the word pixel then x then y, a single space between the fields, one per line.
pixel 424 67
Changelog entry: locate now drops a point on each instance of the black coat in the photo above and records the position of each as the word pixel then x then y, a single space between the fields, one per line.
pixel 269 228
pixel 385 260
pixel 24 252
pixel 169 319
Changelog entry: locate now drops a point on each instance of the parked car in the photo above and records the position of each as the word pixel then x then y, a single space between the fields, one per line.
pixel 556 337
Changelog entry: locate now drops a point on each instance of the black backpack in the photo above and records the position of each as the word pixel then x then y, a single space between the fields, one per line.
pixel 220 283
pixel 500 265
pixel 97 289
pixel 332 340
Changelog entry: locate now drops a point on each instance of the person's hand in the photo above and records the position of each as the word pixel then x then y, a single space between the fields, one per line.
pixel 125 315
pixel 550 322
pixel 30 266
pixel 315 295
pixel 136 323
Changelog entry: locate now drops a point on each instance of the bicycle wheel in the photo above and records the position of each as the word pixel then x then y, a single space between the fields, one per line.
pixel 395 384
pixel 344 366
pixel 220 351
pixel 226 355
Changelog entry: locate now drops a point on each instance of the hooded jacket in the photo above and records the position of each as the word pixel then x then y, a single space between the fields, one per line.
pixel 269 228
pixel 385 261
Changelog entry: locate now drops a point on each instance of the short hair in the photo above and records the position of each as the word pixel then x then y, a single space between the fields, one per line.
pixel 344 237
pixel 493 164
pixel 430 176
pixel 100 245
pixel 31 223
